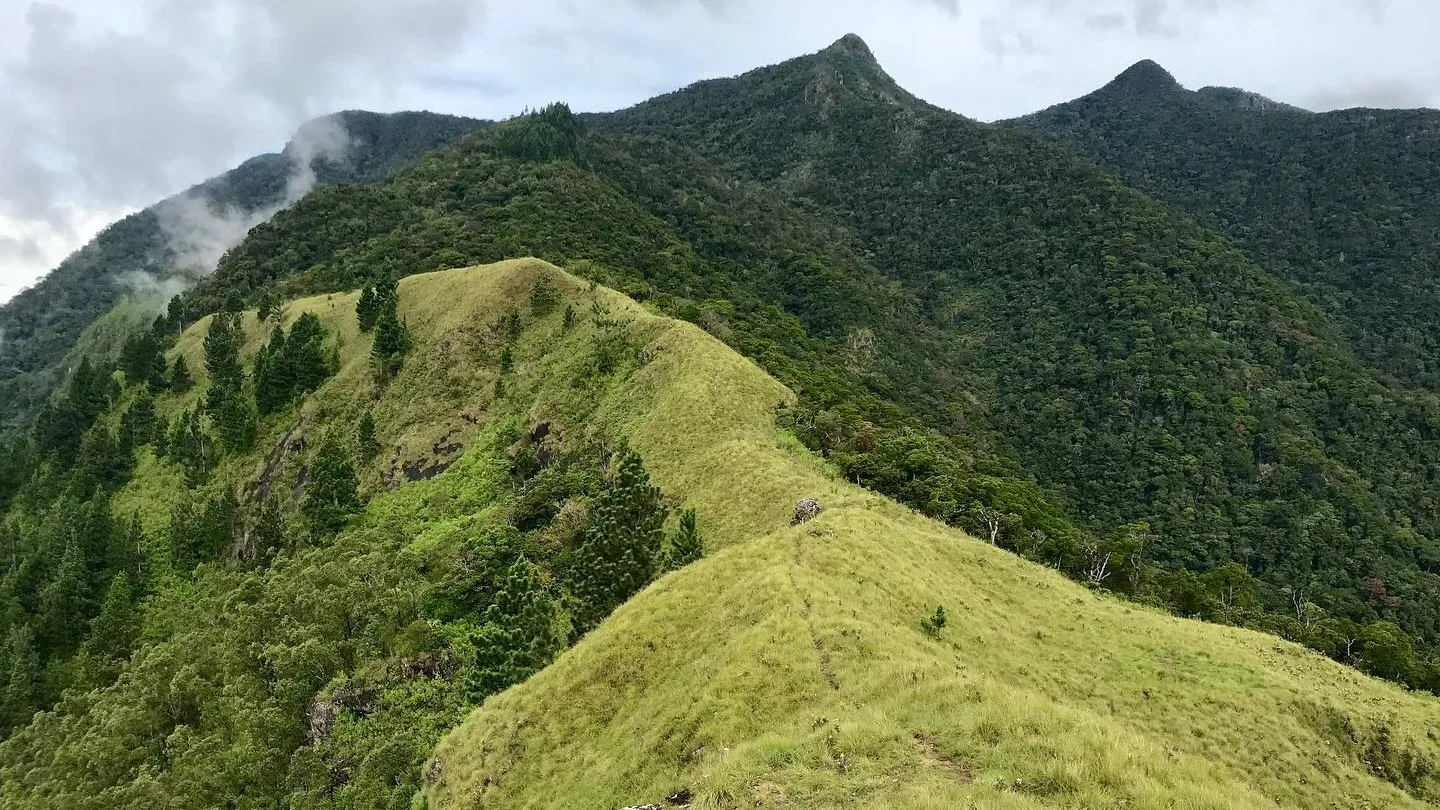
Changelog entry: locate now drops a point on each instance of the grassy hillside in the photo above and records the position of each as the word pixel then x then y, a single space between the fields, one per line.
pixel 790 667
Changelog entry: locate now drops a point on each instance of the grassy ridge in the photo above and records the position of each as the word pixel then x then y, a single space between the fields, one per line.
pixel 790 668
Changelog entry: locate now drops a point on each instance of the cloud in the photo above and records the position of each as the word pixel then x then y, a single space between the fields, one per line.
pixel 133 101
pixel 199 230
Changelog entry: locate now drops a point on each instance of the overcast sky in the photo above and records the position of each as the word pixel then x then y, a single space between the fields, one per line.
pixel 110 105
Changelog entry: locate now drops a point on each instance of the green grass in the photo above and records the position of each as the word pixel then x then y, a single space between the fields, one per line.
pixel 789 667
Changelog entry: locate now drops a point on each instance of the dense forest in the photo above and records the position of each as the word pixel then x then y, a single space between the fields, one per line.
pixel 139 256
pixel 1340 204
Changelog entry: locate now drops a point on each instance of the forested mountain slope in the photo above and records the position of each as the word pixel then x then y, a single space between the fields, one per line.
pixel 1139 366
pixel 145 253
pixel 979 324
pixel 1340 204
pixel 356 597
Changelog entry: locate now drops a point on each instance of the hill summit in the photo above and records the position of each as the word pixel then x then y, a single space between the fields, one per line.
pixel 1145 76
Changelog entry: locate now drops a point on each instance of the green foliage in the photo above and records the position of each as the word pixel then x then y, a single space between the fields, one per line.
pixel 552 133
pixel 291 365
pixel 934 623
pixel 392 338
pixel 366 445
pixel 517 637
pixel 684 546
pixel 367 309
pixel 331 494
pixel 619 550
pixel 179 377
pixel 191 446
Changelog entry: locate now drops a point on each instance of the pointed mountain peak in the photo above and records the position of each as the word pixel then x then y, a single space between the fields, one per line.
pixel 1145 75
pixel 851 45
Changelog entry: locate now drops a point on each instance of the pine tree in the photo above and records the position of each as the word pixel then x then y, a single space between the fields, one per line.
pixel 139 425
pixel 366 445
pixel 190 446
pixel 222 359
pixel 391 340
pixel 22 684
pixel 64 602
pixel 685 545
pixel 518 637
pixel 330 490
pixel 543 296
pixel 180 379
pixel 114 632
pixel 305 355
pixel 367 309
pixel 618 552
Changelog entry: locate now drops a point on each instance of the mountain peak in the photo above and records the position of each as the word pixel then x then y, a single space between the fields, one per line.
pixel 851 45
pixel 1145 75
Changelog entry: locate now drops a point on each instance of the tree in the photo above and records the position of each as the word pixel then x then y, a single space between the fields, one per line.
pixel 22 686
pixel 391 341
pixel 367 309
pixel 685 545
pixel 518 636
pixel 139 425
pixel 180 379
pixel 190 446
pixel 366 445
pixel 543 296
pixel 935 622
pixel 115 631
pixel 331 490
pixel 618 552
pixel 64 602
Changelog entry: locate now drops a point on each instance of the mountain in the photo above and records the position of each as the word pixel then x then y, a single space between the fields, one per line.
pixel 1337 204
pixel 346 523
pixel 308 667
pixel 979 324
pixel 153 253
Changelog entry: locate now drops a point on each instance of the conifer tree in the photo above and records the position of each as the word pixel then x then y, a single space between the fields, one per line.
pixel 64 602
pixel 331 490
pixel 685 545
pixel 190 446
pixel 180 379
pixel 366 445
pixel 391 340
pixel 114 632
pixel 518 637
pixel 139 425
pixel 22 683
pixel 618 552
pixel 367 309
pixel 305 354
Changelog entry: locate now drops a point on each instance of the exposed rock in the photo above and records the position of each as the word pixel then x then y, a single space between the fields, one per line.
pixel 320 719
pixel 433 769
pixel 680 798
pixel 806 510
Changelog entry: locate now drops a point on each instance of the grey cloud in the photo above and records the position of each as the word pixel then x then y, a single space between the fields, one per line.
pixel 109 119
pixel 1105 22
pixel 199 232
pixel 1395 92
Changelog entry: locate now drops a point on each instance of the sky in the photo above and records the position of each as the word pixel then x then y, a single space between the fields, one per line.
pixel 111 105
